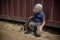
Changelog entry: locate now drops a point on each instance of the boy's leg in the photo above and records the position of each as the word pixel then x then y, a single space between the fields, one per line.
pixel 37 31
pixel 32 25
pixel 29 27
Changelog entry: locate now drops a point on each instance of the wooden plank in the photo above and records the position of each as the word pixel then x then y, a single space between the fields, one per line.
pixel 29 7
pixel 47 8
pixel 1 7
pixel 56 11
pixel 22 8
pixel 11 8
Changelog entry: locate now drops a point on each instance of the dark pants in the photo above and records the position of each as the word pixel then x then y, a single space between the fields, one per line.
pixel 33 26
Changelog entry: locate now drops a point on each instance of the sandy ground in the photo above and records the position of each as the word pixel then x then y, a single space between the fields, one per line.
pixel 11 31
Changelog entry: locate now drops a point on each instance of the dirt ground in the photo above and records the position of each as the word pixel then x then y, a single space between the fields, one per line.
pixel 11 31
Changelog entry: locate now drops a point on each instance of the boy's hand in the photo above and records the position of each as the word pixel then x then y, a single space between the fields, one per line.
pixel 30 17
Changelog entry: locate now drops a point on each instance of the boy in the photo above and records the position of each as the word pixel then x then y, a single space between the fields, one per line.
pixel 38 19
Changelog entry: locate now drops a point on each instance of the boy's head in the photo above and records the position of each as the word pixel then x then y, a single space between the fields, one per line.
pixel 37 8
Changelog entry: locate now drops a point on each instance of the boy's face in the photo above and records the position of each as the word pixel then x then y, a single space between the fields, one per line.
pixel 38 11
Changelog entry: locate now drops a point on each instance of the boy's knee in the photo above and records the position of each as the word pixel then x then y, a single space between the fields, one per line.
pixel 32 24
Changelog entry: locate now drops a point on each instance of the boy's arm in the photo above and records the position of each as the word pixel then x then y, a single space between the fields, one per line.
pixel 41 27
pixel 30 17
pixel 43 23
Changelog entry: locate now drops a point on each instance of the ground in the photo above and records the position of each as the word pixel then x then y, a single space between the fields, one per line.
pixel 11 31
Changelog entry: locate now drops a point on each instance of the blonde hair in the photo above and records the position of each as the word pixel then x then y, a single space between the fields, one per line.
pixel 37 7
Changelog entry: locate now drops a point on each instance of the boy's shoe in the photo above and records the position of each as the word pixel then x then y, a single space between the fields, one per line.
pixel 37 34
pixel 28 32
